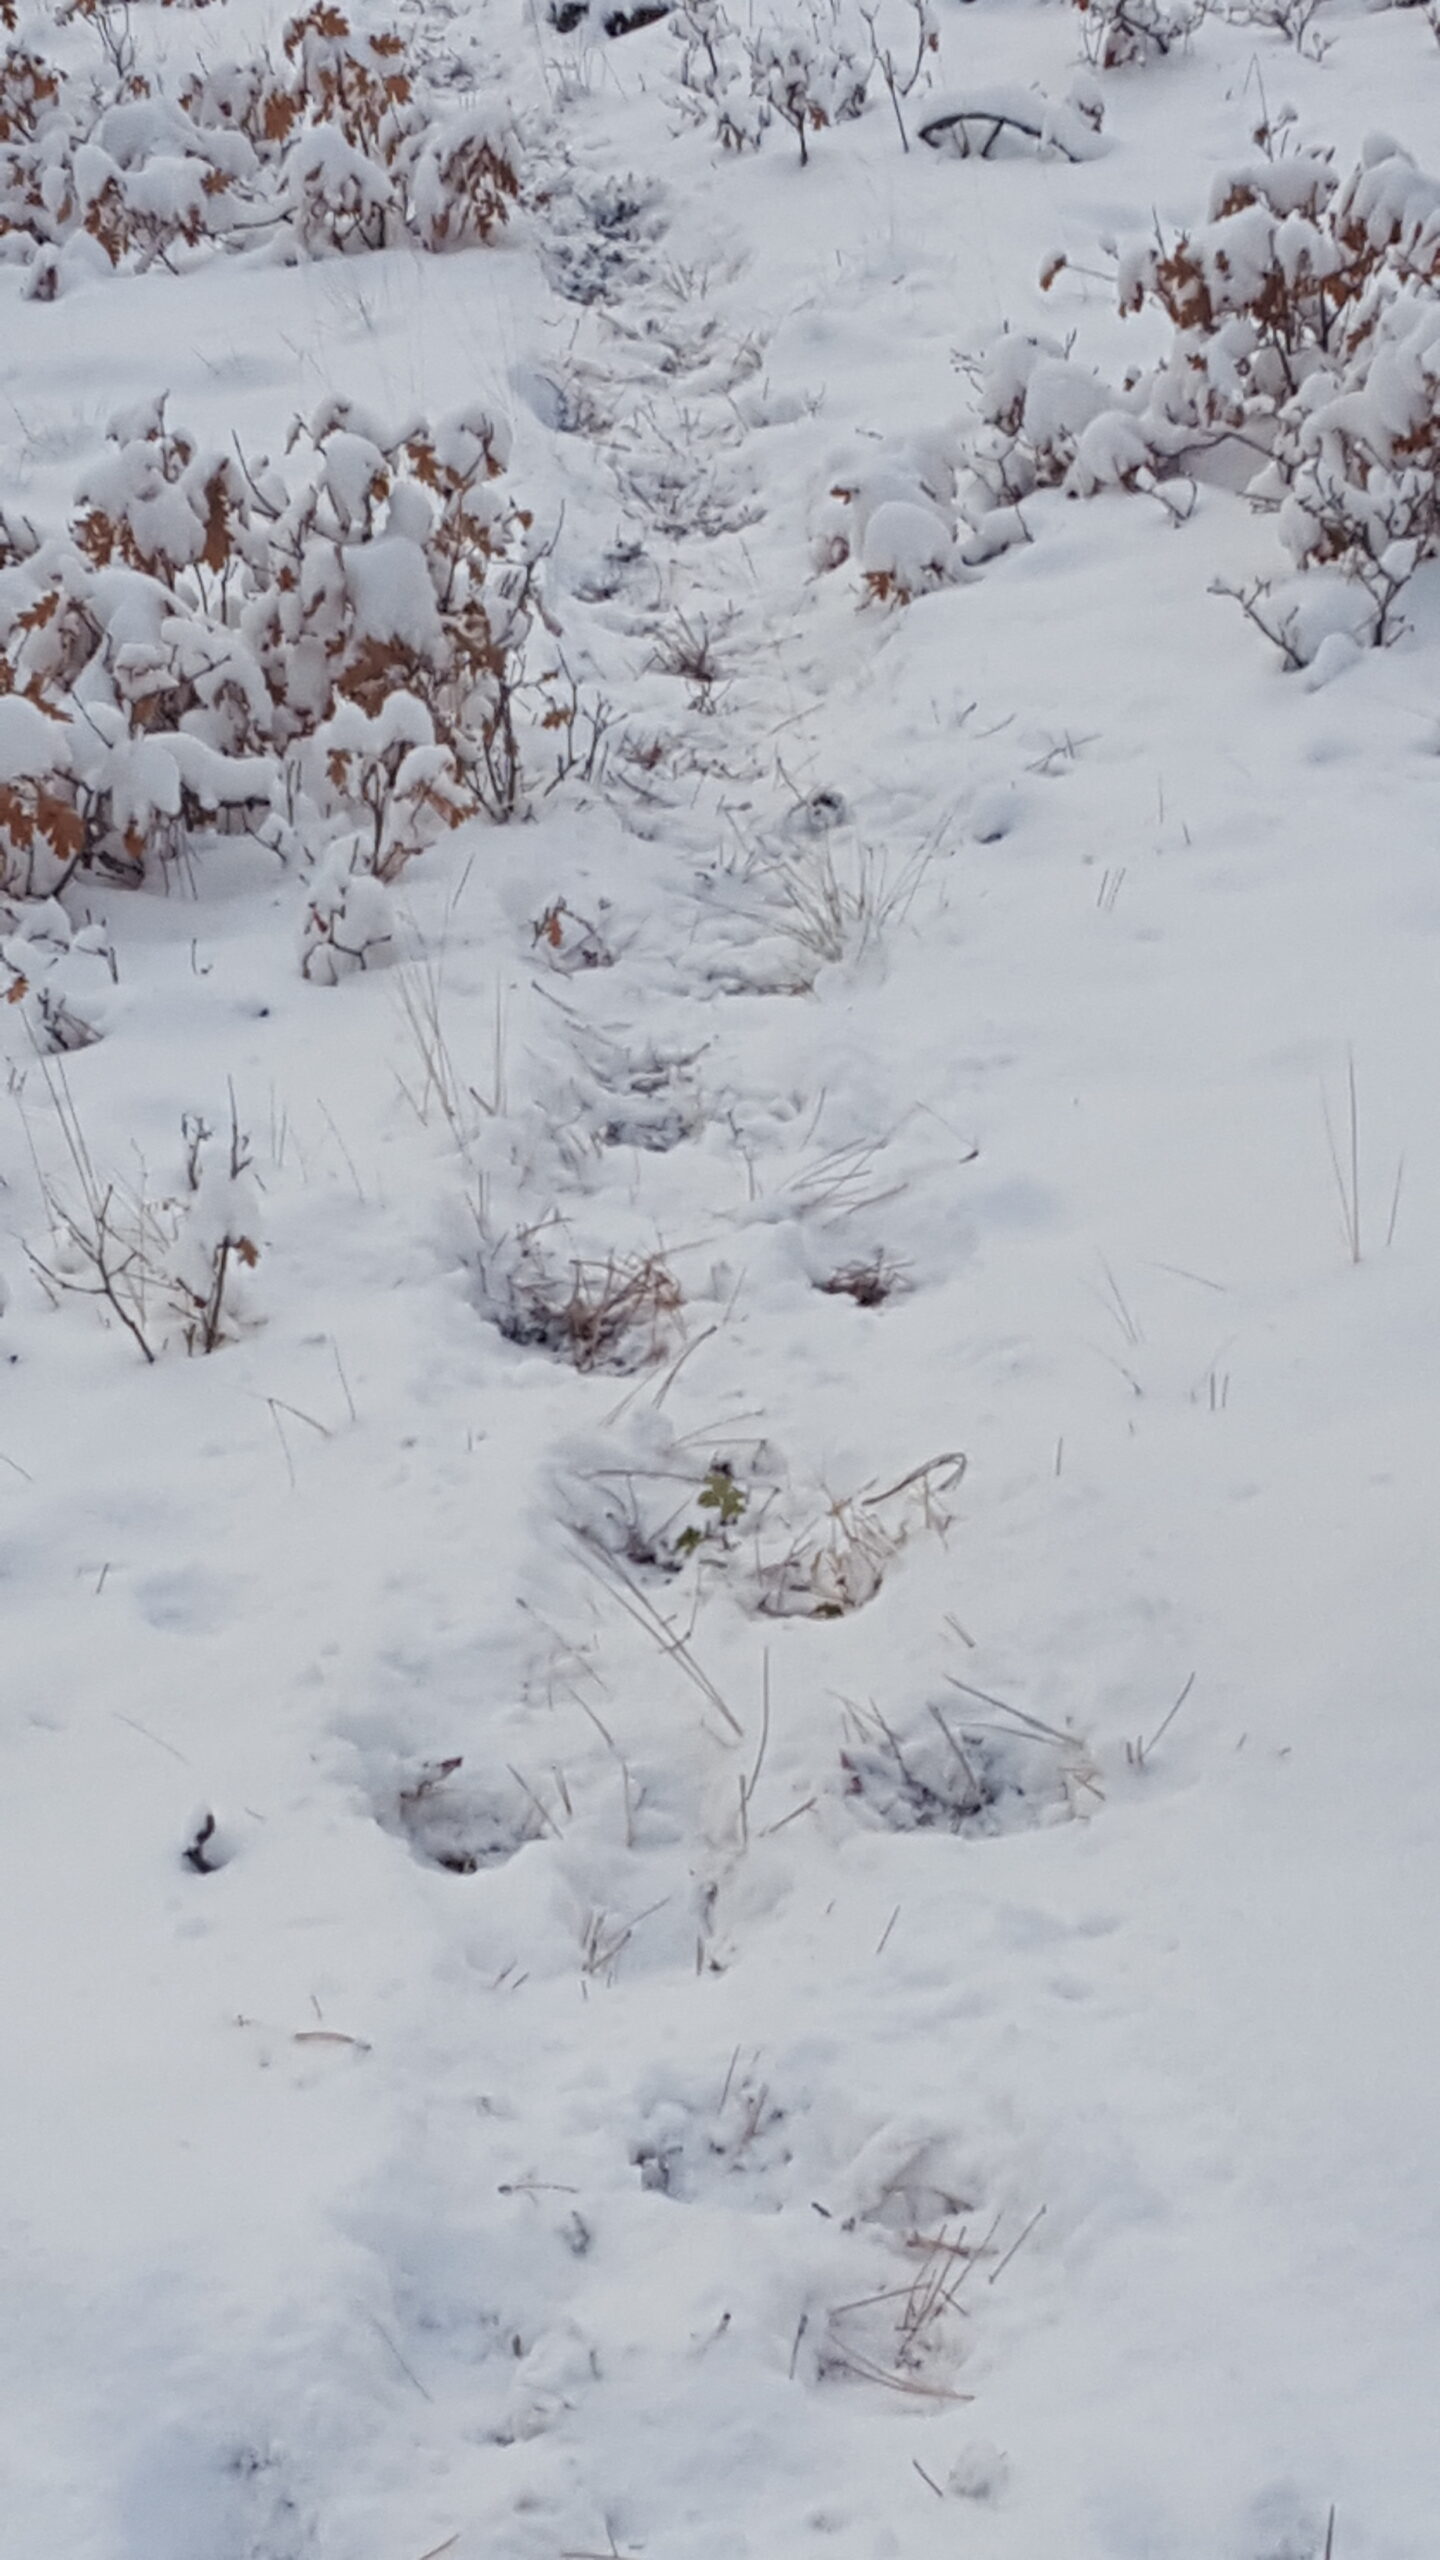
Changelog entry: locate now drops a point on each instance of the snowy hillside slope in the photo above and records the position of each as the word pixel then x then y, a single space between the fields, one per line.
pixel 726 1843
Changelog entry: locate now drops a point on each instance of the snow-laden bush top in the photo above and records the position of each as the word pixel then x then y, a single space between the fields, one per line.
pixel 338 146
pixel 1305 329
pixel 333 639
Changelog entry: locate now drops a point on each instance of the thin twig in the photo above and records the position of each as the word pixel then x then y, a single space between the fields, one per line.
pixel 749 1784
pixel 1050 1732
pixel 1166 1722
pixel 636 1605
pixel 1037 2216
pixel 793 1816
pixel 1347 1175
pixel 408 2370
pixel 157 1738
pixel 344 1381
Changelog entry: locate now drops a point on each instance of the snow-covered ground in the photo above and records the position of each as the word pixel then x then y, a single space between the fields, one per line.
pixel 829 1277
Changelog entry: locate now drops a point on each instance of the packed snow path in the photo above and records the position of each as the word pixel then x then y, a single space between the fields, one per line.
pixel 813 1304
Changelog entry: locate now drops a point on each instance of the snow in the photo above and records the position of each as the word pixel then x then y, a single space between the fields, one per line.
pixel 907 545
pixel 28 744
pixel 391 592
pixel 792 1633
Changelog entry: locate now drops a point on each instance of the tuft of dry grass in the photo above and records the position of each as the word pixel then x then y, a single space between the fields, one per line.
pixel 839 1563
pixel 615 1314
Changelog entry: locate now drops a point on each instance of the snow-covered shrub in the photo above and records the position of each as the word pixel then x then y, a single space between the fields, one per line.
pixel 393 768
pixel 60 979
pixel 1121 31
pixel 811 71
pixel 328 650
pixel 29 88
pixel 464 181
pixel 340 145
pixel 1035 403
pixel 893 512
pixel 159 1263
pixel 1257 292
pixel 1363 489
pixel 627 20
pixel 1307 320
pixel 716 69
pixel 214 1228
pixel 123 176
pixel 347 924
pixel 42 835
pixel 1253 297
pixel 1292 19
pixel 1305 337
pixel 810 75
pixel 397 564
pixel 366 160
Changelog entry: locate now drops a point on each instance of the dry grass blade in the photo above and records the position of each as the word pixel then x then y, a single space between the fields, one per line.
pixel 842 1183
pixel 950 1466
pixel 420 990
pixel 106 1235
pixel 849 2360
pixel 602 1943
pixel 1032 1724
pixel 750 1782
pixel 1137 1753
pixel 610 1573
pixel 1346 1167
pixel 972 1780
pixel 837 909
pixel 1016 2245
